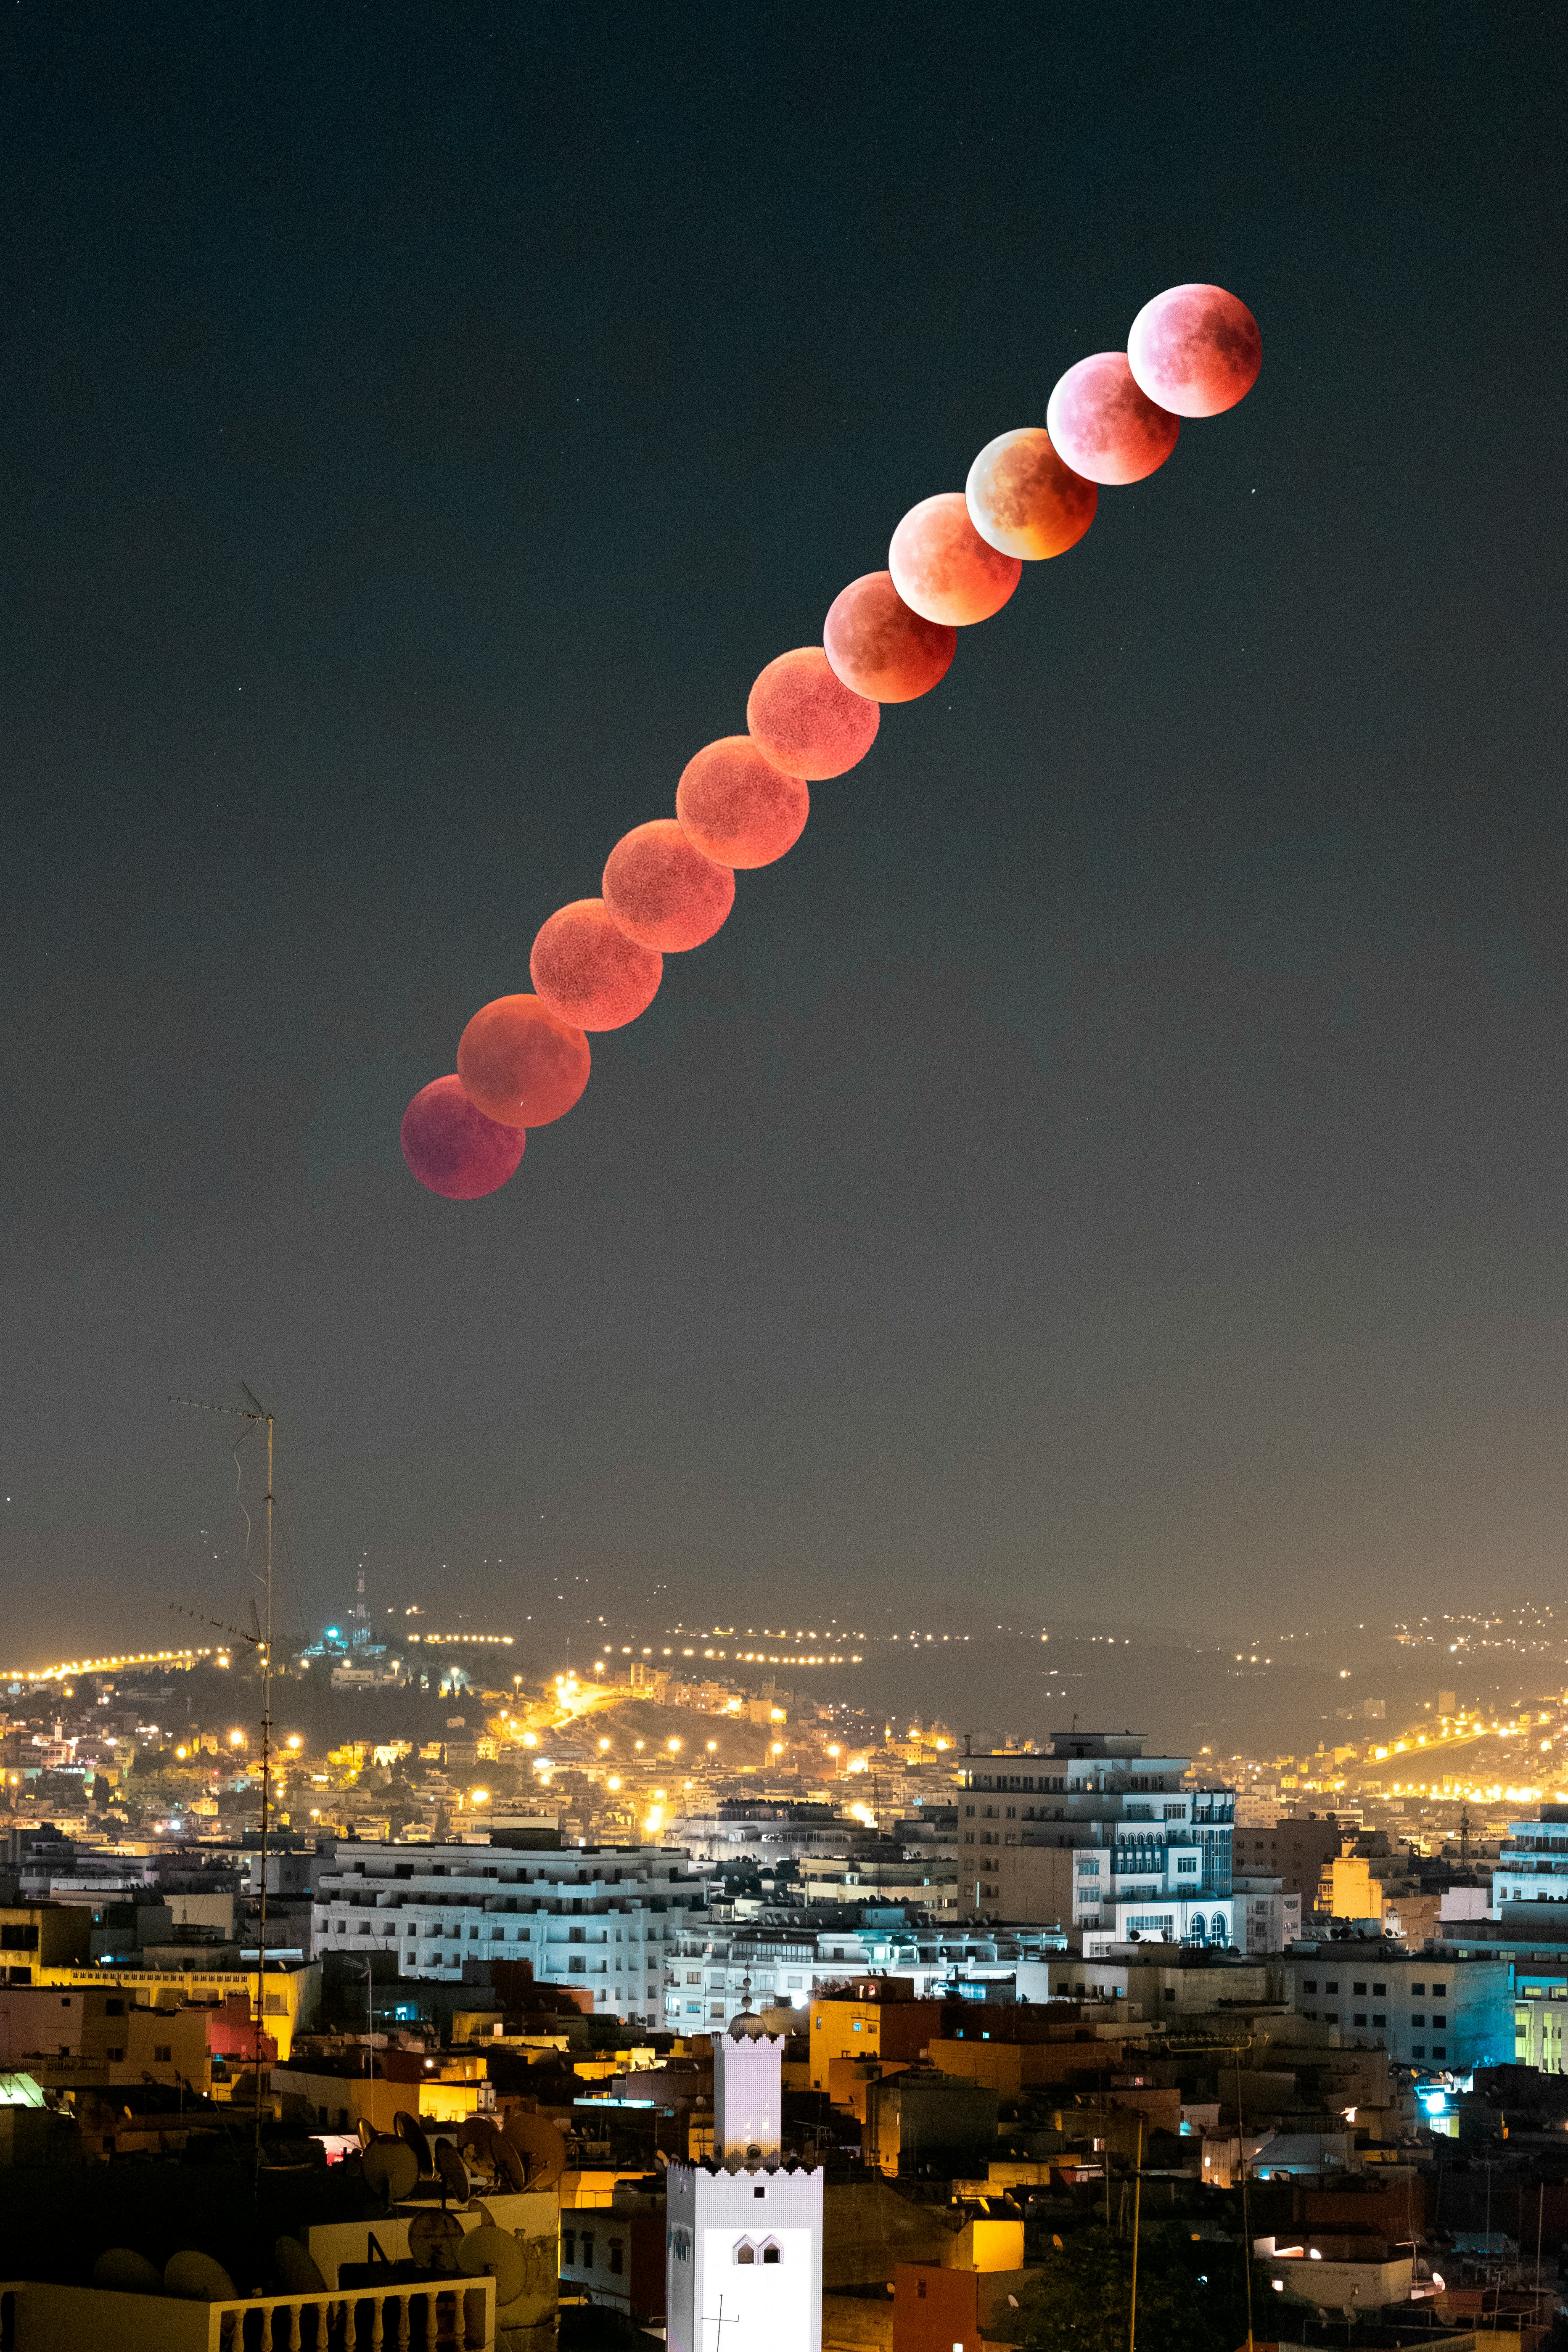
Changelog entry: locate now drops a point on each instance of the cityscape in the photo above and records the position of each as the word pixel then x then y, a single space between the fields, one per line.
pixel 592 1942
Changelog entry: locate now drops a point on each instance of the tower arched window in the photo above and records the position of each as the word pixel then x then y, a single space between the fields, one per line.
pixel 745 2252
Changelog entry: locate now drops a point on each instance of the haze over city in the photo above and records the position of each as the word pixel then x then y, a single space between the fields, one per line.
pixel 781 1229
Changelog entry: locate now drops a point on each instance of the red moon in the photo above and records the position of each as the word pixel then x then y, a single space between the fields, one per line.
pixel 662 891
pixel 1023 500
pixel 452 1147
pixel 804 721
pixel 737 807
pixel 1104 426
pixel 878 647
pixel 522 1064
pixel 943 568
pixel 587 970
pixel 1195 349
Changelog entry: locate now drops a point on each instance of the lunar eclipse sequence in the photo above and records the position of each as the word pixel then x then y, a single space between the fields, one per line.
pixel 742 802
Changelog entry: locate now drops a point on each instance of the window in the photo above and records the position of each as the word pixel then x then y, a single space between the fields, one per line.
pixel 1360 1989
pixel 1330 2017
pixel 1187 1862
pixel 1330 1984
pixel 693 1976
pixel 759 2191
pixel 618 2249
pixel 1378 1991
pixel 1439 1991
pixel 115 2057
pixel 568 2239
pixel 1378 2017
pixel 1418 2017
pixel 1308 1984
pixel 587 2254
pixel 1439 2050
pixel 1438 2020
pixel 745 2252
pixel 163 2053
pixel 1418 1990
pixel 114 2009
pixel 772 2253
pixel 1418 2049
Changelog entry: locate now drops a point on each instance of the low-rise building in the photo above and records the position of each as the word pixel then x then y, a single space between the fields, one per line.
pixel 1428 2009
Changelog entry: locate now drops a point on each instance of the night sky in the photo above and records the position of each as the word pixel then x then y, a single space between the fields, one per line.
pixel 1117 1161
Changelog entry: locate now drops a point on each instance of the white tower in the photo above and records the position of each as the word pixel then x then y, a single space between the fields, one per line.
pixel 743 2243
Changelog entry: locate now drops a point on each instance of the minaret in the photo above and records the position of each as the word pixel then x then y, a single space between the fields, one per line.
pixel 743 2243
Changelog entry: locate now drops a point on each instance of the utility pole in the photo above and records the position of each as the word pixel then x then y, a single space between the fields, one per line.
pixel 1137 2209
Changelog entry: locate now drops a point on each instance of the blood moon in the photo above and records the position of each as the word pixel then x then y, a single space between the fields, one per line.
pixel 661 890
pixel 736 807
pixel 1023 500
pixel 1195 349
pixel 1105 426
pixel 520 1064
pixel 878 647
pixel 943 568
pixel 452 1147
pixel 588 973
pixel 805 721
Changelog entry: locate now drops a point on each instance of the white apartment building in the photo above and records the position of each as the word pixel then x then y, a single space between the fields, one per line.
pixel 600 1920
pixel 1150 1855
pixel 715 1972
pixel 1532 1861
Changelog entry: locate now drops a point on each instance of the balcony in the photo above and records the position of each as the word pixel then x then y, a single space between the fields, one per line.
pixel 459 2312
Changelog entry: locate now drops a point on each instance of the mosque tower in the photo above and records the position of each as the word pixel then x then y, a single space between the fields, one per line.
pixel 743 2244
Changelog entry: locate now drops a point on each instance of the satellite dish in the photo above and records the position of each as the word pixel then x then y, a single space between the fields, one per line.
pixel 197 2278
pixel 297 2270
pixel 366 2133
pixel 540 2145
pixel 454 2172
pixel 433 2238
pixel 509 2164
pixel 391 2167
pixel 408 2130
pixel 494 2253
pixel 126 2271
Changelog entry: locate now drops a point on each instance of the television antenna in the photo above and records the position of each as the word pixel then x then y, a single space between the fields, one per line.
pixel 260 1639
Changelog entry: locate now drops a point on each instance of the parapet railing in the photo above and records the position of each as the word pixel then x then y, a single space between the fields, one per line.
pixel 456 2315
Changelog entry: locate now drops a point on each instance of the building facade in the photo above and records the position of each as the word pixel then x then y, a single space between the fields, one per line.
pixel 1532 1861
pixel 743 2233
pixel 1151 1855
pixel 1427 2009
pixel 595 1919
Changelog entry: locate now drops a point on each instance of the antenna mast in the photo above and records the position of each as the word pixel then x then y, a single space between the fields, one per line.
pixel 260 1639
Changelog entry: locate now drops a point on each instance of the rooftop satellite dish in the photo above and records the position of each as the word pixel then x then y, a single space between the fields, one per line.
pixel 297 2270
pixel 366 2133
pixel 391 2168
pixel 408 2130
pixel 540 2145
pixel 434 2236
pixel 453 2171
pixel 197 2278
pixel 510 2166
pixel 126 2271
pixel 494 2253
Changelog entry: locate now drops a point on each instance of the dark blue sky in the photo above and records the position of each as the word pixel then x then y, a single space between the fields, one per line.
pixel 1117 1159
